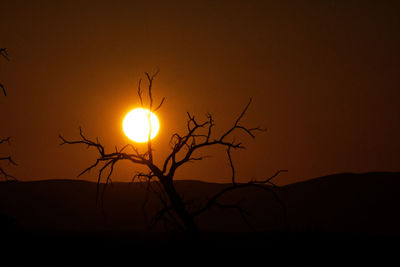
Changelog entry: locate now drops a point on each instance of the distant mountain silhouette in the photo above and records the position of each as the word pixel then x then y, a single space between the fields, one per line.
pixel 356 203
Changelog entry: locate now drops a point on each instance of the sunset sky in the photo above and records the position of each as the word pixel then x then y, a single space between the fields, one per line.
pixel 324 77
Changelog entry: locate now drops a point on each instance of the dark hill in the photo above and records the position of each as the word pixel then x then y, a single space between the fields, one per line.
pixel 336 206
pixel 365 203
pixel 346 202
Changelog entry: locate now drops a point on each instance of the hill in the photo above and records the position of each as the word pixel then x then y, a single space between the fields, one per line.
pixel 335 208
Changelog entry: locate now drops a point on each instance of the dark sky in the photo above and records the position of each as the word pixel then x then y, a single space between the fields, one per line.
pixel 324 77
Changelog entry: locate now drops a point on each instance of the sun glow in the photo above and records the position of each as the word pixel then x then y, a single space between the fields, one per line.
pixel 137 124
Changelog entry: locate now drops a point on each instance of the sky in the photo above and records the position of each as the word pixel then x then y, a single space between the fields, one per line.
pixel 323 76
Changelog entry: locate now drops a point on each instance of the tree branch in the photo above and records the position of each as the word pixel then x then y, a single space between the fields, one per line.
pixel 2 171
pixel 4 89
pixel 199 141
pixel 5 140
pixel 7 159
pixel 255 183
pixel 4 53
pixel 107 159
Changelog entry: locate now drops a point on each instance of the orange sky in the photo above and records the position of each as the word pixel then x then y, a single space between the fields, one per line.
pixel 324 77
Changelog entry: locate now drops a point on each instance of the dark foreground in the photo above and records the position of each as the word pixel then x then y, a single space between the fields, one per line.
pixel 327 219
pixel 71 249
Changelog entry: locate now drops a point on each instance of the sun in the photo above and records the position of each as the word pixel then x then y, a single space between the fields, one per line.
pixel 136 125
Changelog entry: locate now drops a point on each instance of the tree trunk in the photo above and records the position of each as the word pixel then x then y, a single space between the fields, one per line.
pixel 179 207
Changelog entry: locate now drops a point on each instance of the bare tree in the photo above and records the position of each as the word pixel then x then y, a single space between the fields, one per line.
pixel 7 159
pixel 184 148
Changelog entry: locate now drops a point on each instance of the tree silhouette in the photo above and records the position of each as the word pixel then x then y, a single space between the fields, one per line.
pixel 7 159
pixel 184 148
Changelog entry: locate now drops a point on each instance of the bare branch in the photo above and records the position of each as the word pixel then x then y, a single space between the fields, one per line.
pixel 4 53
pixel 249 131
pixel 199 140
pixel 4 89
pixel 5 140
pixel 107 158
pixel 268 180
pixel 150 80
pixel 255 183
pixel 85 141
pixel 9 161
pixel 139 91
pixel 211 124
pixel 228 151
pixel 159 106
pixel 149 149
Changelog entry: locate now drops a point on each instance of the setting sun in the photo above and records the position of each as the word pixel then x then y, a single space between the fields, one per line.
pixel 136 125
